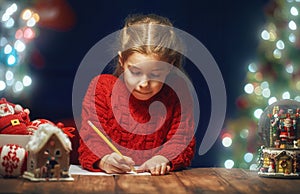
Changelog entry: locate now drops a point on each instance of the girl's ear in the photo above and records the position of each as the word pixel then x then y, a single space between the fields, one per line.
pixel 172 65
pixel 121 61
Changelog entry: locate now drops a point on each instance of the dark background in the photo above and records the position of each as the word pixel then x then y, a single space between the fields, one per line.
pixel 229 29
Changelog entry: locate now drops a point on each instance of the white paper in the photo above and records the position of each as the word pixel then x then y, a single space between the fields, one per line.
pixel 78 170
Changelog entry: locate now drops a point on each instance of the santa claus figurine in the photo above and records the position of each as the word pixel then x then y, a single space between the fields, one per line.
pixel 13 118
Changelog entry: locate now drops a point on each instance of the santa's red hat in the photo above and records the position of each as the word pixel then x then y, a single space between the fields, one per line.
pixel 13 119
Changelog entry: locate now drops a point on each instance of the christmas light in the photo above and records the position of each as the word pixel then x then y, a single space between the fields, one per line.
pixel 10 82
pixel 264 85
pixel 7 49
pixel 249 88
pixel 273 35
pixel 277 54
pixel 229 164
pixel 253 167
pixel 257 113
pixel 19 34
pixel 289 68
pixel 248 157
pixel 257 91
pixel 292 38
pixel 286 95
pixel 11 60
pixel 5 17
pixel 3 41
pixel 244 133
pixel 18 87
pixel 9 23
pixel 27 81
pixel 226 141
pixel 36 17
pixel 280 44
pixel 294 11
pixel 29 33
pixel 265 35
pixel 26 15
pixel 266 93
pixel 19 46
pixel 252 67
pixel 298 85
pixel 31 22
pixel 272 100
pixel 9 75
pixel 292 25
pixel 11 9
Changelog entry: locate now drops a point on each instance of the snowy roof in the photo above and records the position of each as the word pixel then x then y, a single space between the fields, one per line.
pixel 42 135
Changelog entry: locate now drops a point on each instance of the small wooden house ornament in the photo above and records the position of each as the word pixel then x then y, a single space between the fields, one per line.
pixel 48 155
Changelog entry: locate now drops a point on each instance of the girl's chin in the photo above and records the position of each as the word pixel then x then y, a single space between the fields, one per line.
pixel 140 96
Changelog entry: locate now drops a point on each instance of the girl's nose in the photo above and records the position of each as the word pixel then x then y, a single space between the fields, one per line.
pixel 144 84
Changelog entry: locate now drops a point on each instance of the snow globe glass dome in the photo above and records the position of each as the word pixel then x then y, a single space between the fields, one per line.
pixel 277 117
pixel 279 129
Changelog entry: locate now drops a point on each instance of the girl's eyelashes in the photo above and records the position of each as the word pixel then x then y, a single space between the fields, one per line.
pixel 135 72
pixel 154 75
pixel 139 73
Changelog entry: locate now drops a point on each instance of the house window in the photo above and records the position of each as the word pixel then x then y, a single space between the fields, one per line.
pixel 57 153
pixel 31 165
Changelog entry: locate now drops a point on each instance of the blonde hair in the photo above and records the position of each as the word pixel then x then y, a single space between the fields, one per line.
pixel 150 34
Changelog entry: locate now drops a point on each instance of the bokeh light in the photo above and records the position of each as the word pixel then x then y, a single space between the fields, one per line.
pixel 229 164
pixel 227 141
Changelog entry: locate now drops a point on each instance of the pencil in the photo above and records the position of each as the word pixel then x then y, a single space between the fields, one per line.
pixel 107 141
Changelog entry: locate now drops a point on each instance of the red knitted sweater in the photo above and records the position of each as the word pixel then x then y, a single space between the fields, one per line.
pixel 132 129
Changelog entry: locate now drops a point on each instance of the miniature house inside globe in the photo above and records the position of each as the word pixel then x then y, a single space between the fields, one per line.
pixel 279 129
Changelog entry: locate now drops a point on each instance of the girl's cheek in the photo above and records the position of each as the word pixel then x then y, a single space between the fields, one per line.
pixel 131 82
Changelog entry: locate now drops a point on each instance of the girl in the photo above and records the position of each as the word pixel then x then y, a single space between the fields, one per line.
pixel 158 140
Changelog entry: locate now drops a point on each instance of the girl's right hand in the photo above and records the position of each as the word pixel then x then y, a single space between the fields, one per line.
pixel 114 163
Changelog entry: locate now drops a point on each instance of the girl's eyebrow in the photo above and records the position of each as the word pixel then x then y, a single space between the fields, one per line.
pixel 157 69
pixel 132 66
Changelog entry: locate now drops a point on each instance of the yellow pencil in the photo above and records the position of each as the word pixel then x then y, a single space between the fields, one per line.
pixel 107 141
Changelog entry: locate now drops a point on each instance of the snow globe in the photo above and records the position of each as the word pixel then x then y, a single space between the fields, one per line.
pixel 279 129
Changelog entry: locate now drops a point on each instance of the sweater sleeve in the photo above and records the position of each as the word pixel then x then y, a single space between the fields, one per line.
pixel 95 108
pixel 180 138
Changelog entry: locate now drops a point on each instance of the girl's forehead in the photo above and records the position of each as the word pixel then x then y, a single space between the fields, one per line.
pixel 139 57
pixel 146 60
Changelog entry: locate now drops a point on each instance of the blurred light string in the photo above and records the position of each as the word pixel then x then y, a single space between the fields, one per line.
pixel 17 31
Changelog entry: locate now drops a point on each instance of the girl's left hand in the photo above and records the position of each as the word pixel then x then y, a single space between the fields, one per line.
pixel 157 165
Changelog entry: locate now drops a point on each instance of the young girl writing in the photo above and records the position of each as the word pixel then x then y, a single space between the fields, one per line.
pixel 157 140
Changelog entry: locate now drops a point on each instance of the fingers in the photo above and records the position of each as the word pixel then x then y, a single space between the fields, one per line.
pixel 115 163
pixel 142 168
pixel 160 169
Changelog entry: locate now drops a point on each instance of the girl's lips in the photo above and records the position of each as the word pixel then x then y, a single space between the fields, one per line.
pixel 142 93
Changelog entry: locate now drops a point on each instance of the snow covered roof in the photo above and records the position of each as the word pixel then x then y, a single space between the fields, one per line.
pixel 42 135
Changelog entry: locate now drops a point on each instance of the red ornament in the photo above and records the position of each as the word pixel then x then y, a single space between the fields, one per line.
pixel 36 123
pixel 12 160
pixel 13 118
pixel 55 14
pixel 242 102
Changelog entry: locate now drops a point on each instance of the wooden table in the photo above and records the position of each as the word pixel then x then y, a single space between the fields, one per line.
pixel 196 180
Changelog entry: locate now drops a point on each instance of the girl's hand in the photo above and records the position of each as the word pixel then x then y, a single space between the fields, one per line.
pixel 157 165
pixel 114 163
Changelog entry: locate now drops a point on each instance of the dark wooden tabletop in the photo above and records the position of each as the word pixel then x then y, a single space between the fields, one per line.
pixel 196 180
